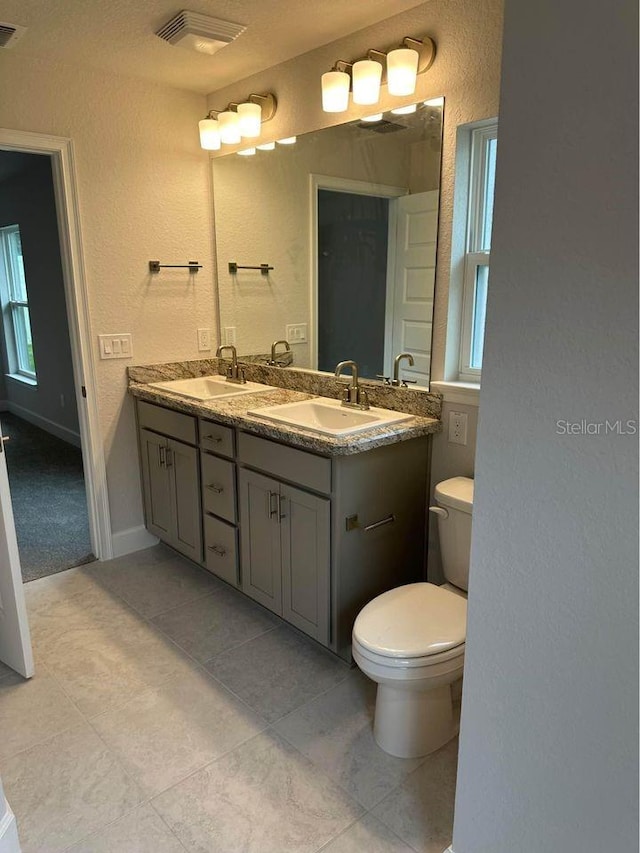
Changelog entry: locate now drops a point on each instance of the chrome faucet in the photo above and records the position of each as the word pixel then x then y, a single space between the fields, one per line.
pixel 396 369
pixel 233 372
pixel 274 346
pixel 353 395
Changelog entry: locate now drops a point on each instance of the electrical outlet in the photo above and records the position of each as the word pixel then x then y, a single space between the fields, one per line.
pixel 115 346
pixel 204 340
pixel 457 428
pixel 296 333
pixel 230 336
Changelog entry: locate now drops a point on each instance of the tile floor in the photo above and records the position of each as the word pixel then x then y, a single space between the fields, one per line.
pixel 170 713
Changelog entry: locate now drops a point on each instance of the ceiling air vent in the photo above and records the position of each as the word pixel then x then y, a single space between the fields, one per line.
pixel 199 32
pixel 10 34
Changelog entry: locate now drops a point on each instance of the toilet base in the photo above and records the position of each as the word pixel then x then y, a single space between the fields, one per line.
pixel 410 723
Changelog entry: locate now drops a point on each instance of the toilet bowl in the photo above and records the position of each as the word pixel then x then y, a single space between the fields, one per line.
pixel 411 640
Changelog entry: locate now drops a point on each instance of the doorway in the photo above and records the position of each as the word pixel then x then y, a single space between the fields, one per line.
pixel 37 393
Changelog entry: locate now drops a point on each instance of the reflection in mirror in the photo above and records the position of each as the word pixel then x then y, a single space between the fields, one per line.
pixel 348 219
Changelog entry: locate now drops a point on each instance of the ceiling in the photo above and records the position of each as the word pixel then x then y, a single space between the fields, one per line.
pixel 117 36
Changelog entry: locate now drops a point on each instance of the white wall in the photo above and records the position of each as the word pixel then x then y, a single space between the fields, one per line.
pixel 549 740
pixel 144 194
pixel 27 200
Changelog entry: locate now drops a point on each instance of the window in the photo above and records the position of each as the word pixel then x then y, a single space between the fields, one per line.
pixel 15 306
pixel 484 147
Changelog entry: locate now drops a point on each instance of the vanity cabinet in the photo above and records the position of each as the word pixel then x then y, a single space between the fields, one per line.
pixel 171 480
pixel 311 537
pixel 285 536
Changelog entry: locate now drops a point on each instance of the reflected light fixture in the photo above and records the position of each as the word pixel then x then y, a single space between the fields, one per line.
pixel 247 152
pixel 237 121
pixel 266 146
pixel 405 111
pixel 366 75
pixel 335 90
pixel 288 140
pixel 434 102
pixel 376 117
pixel 209 134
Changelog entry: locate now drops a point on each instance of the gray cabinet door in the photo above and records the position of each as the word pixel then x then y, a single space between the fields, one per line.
pixel 184 476
pixel 305 538
pixel 156 485
pixel 261 575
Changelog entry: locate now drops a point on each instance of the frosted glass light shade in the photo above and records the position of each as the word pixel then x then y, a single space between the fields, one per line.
pixel 335 91
pixel 366 76
pixel 288 140
pixel 250 119
pixel 229 127
pixel 373 118
pixel 247 152
pixel 405 111
pixel 266 146
pixel 209 134
pixel 402 71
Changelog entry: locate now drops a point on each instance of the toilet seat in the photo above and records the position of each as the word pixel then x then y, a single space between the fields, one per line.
pixel 415 625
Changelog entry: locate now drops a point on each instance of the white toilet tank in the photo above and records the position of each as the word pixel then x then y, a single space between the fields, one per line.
pixel 455 497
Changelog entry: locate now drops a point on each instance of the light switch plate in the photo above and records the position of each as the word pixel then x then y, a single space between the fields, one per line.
pixel 296 333
pixel 230 336
pixel 116 345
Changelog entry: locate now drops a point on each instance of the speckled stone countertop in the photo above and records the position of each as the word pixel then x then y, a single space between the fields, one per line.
pixel 292 385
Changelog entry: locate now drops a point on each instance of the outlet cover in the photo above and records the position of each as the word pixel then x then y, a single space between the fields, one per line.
pixel 296 333
pixel 204 340
pixel 457 427
pixel 230 336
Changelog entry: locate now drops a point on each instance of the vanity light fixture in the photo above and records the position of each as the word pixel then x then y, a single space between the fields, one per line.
pixel 288 140
pixel 398 68
pixel 237 121
pixel 209 134
pixel 335 89
pixel 366 75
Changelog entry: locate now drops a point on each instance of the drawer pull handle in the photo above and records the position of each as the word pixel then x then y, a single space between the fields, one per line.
pixel 215 487
pixel 218 550
pixel 281 504
pixel 162 453
pixel 388 520
pixel 214 438
pixel 273 511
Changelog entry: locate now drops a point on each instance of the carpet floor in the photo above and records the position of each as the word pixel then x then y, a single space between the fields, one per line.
pixel 49 499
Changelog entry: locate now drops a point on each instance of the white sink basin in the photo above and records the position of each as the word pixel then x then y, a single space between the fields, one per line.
pixel 208 387
pixel 328 417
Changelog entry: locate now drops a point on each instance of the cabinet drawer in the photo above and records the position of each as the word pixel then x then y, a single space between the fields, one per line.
pixel 216 438
pixel 166 421
pixel 221 549
pixel 218 487
pixel 291 464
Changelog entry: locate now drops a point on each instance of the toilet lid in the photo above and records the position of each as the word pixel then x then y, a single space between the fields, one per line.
pixel 415 620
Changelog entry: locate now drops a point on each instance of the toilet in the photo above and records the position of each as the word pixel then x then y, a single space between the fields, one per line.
pixel 411 640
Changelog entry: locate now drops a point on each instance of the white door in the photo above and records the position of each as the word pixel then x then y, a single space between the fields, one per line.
pixel 15 642
pixel 414 281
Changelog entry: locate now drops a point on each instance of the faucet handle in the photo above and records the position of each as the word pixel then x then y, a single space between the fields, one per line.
pixel 407 382
pixel 386 380
pixel 363 398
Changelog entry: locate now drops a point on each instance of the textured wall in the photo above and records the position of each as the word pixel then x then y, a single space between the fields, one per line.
pixel 466 71
pixel 144 194
pixel 549 741
pixel 27 200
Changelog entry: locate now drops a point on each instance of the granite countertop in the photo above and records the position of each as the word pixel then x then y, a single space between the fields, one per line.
pixel 233 412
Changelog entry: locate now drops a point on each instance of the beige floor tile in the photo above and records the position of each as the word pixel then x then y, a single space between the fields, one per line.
pixel 101 669
pixel 31 711
pixel 367 835
pixel 263 797
pixel 335 731
pixel 278 672
pixel 154 580
pixel 163 735
pixel 211 625
pixel 420 811
pixel 141 831
pixel 65 788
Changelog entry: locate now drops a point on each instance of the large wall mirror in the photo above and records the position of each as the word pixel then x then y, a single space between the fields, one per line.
pixel 348 219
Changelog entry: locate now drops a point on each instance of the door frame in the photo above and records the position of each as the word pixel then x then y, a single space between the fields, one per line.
pixel 345 185
pixel 60 150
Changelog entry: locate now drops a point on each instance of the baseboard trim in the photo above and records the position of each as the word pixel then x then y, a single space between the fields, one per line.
pixel 61 432
pixel 133 539
pixel 9 842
